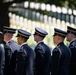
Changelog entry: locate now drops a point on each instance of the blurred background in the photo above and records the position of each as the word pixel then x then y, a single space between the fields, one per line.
pixel 46 14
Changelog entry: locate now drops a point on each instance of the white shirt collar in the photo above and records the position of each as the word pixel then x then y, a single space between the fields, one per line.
pixel 8 41
pixel 23 44
pixel 39 42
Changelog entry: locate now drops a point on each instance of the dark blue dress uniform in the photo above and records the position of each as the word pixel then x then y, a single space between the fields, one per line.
pixel 60 56
pixel 25 57
pixel 43 55
pixel 2 52
pixel 11 49
pixel 72 47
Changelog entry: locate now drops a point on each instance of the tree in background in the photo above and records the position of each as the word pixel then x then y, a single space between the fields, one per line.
pixel 72 4
pixel 4 6
pixel 62 3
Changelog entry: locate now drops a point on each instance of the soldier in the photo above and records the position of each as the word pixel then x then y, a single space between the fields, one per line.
pixel 71 37
pixel 2 58
pixel 43 53
pixel 60 55
pixel 25 57
pixel 11 49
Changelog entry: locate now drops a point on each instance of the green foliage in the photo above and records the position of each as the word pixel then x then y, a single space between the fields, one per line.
pixel 62 3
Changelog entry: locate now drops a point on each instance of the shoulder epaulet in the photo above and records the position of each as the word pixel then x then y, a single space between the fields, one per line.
pixel 22 50
pixel 8 44
pixel 73 44
pixel 58 49
pixel 41 48
pixel 55 49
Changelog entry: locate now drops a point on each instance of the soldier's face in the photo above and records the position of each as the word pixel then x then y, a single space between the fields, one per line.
pixel 36 38
pixel 8 36
pixel 55 39
pixel 68 38
pixel 19 40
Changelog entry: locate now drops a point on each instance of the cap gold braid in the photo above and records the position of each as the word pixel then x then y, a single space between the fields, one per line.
pixel 23 35
pixel 40 33
pixel 60 33
pixel 8 30
pixel 71 30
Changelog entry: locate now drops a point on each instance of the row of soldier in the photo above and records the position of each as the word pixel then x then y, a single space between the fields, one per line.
pixel 20 59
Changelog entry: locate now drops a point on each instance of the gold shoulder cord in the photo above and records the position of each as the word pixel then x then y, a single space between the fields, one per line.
pixel 59 51
pixel 23 50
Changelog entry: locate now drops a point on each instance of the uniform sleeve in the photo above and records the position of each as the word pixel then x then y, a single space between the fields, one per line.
pixel 73 55
pixel 1 60
pixel 39 60
pixel 55 62
pixel 30 64
pixel 8 55
pixel 21 61
pixel 39 54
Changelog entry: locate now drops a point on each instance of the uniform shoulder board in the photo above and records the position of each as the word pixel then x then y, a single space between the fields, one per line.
pixel 59 49
pixel 38 47
pixel 55 49
pixel 20 50
pixel 74 44
pixel 71 47
pixel 41 49
pixel 23 51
